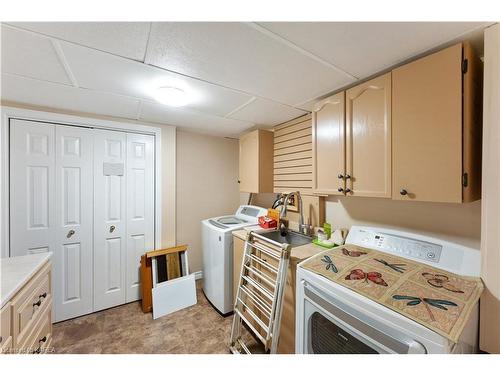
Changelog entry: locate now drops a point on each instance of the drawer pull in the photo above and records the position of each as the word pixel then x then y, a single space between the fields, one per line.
pixel 37 303
pixel 43 339
pixel 44 295
pixel 37 351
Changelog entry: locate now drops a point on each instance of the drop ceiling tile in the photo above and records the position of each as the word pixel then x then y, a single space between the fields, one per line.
pixel 46 94
pixel 364 48
pixel 266 112
pixel 127 39
pixel 203 123
pixel 239 56
pixel 30 55
pixel 101 71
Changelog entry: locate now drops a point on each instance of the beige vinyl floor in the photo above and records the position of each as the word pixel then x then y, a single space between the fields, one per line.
pixel 198 329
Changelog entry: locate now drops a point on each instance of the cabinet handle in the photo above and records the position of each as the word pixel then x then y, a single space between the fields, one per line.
pixel 44 295
pixel 38 303
pixel 112 229
pixel 37 351
pixel 340 176
pixel 70 233
pixel 43 339
pixel 347 176
pixel 403 192
pixel 1 339
pixel 347 190
pixel 340 190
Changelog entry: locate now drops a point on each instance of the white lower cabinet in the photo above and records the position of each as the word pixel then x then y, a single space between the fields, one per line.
pixel 87 195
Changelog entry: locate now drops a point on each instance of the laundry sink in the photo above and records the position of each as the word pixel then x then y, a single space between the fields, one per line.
pixel 293 238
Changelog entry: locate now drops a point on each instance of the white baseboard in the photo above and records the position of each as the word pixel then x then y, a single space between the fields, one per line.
pixel 198 275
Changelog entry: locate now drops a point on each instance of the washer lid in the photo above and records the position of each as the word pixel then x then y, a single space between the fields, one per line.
pixel 231 220
pixel 227 222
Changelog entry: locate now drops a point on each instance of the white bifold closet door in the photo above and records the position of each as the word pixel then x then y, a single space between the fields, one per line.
pixel 123 214
pixel 87 195
pixel 51 206
pixel 140 207
pixel 110 232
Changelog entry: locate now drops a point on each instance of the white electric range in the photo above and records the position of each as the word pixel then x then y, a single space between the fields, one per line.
pixel 333 319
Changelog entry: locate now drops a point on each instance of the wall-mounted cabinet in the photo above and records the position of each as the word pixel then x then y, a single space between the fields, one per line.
pixel 256 162
pixel 368 138
pixel 352 141
pixel 328 128
pixel 411 134
pixel 437 127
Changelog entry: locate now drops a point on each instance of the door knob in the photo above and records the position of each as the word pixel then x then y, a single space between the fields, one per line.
pixel 112 229
pixel 403 192
pixel 70 233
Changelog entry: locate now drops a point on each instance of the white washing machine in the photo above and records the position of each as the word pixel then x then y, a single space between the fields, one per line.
pixel 217 247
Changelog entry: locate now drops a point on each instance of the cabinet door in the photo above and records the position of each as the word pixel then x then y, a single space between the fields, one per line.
pixel 368 138
pixel 249 162
pixel 427 128
pixel 328 131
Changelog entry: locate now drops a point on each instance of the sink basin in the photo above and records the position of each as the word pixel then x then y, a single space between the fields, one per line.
pixel 293 238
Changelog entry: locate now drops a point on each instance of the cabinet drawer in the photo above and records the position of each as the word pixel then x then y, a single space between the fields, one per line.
pixel 40 337
pixel 29 303
pixel 5 329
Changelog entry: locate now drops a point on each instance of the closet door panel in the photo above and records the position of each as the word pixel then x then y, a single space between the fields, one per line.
pixel 140 207
pixel 368 138
pixel 74 192
pixel 32 183
pixel 109 218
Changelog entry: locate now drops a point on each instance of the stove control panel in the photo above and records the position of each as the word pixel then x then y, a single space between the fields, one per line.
pixel 403 246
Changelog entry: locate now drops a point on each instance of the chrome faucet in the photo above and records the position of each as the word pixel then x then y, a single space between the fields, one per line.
pixel 286 199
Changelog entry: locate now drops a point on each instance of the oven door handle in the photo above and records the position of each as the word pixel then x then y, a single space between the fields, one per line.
pixel 385 335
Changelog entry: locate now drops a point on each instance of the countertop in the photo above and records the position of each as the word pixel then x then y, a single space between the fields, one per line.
pixel 298 253
pixel 16 271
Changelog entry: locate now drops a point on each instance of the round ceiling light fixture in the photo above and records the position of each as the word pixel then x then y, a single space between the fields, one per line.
pixel 171 96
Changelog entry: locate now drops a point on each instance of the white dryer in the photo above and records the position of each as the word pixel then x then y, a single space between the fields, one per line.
pixel 217 247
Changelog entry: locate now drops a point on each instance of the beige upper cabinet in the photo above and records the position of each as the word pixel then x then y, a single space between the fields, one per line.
pixel 368 138
pixel 436 149
pixel 328 131
pixel 256 162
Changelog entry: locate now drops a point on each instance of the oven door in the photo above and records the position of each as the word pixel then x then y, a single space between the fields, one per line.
pixel 332 327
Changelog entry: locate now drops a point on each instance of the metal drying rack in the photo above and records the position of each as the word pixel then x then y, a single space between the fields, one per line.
pixel 259 300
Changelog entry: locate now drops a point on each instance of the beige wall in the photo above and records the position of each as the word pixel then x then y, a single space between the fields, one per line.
pixel 168 194
pixel 454 222
pixel 207 186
